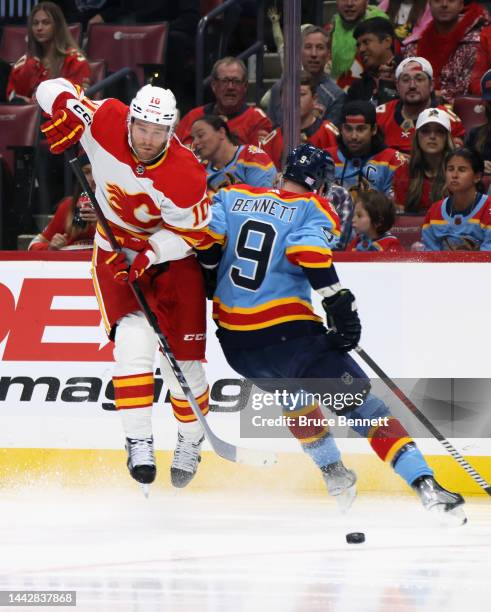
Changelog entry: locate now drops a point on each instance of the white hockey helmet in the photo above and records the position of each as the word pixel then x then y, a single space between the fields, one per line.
pixel 155 105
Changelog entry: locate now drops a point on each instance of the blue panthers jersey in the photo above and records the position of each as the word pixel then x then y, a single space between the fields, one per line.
pixel 249 165
pixel 276 245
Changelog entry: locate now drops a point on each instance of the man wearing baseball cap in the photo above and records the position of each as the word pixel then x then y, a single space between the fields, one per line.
pixel 362 160
pixel 397 118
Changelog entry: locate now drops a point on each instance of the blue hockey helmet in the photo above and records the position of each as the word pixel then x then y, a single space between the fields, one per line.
pixel 310 167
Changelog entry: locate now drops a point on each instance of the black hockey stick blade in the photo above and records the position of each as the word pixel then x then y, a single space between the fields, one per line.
pixel 465 465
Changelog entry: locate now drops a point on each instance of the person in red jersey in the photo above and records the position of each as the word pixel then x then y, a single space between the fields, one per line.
pixel 73 224
pixel 450 43
pixel 422 181
pixel 482 63
pixel 374 216
pixel 152 191
pixel 397 118
pixel 51 52
pixel 229 86
pixel 313 129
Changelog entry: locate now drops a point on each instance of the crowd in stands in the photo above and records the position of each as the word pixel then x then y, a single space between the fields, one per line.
pixel 378 86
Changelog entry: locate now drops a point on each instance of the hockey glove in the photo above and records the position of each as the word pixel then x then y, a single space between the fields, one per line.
pixel 119 266
pixel 343 319
pixel 141 262
pixel 67 124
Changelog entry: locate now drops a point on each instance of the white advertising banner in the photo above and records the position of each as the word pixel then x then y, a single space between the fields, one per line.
pixel 420 320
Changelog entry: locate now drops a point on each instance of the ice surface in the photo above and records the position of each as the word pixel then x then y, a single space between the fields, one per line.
pixel 187 551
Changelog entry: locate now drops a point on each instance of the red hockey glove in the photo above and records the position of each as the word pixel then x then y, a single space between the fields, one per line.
pixel 142 261
pixel 67 124
pixel 118 264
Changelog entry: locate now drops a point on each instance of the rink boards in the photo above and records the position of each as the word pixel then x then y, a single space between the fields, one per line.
pixel 421 320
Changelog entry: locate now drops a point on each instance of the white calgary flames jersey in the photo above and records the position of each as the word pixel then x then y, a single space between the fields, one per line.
pixel 160 202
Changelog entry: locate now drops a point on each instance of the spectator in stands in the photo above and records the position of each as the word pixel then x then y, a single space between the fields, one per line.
pixel 479 138
pixel 450 44
pixel 374 216
pixel 227 161
pixel 409 17
pixel 314 55
pixel 461 221
pixel 73 224
pixel 414 81
pixel 321 133
pixel 363 162
pixel 51 52
pixel 345 65
pixel 483 61
pixel 375 46
pixel 423 181
pixel 87 12
pixel 229 85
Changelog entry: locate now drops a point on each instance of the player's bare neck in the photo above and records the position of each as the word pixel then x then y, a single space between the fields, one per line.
pixel 293 187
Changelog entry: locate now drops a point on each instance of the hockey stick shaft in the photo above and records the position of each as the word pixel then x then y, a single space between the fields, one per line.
pixel 224 449
pixel 398 392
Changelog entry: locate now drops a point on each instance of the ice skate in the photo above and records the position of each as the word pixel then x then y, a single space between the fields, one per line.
pixel 186 458
pixel 439 501
pixel 141 461
pixel 341 484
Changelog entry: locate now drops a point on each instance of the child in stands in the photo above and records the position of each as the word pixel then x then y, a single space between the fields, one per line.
pixel 374 216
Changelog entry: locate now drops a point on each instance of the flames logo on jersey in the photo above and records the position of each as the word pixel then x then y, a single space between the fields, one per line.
pixel 138 209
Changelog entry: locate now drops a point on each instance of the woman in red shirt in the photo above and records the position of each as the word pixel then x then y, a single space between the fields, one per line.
pixel 73 224
pixel 51 53
pixel 421 182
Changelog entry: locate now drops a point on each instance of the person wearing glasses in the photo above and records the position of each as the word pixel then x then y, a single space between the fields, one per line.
pixel 397 118
pixel 229 86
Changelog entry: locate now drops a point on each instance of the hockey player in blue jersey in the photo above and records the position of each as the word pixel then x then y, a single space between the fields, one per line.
pixel 271 248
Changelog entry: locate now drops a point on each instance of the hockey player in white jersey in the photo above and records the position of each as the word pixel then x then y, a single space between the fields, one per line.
pixel 152 191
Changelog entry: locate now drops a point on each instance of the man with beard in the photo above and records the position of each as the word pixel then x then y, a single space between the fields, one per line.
pixel 397 118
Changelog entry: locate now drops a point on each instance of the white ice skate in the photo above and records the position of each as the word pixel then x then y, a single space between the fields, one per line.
pixel 341 484
pixel 439 501
pixel 141 461
pixel 186 458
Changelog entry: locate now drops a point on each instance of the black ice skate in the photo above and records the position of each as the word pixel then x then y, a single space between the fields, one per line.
pixel 439 501
pixel 341 484
pixel 141 461
pixel 186 458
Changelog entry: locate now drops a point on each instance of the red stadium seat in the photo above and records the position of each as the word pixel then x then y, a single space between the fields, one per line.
pixel 97 73
pixel 471 110
pixel 128 45
pixel 408 229
pixel 18 128
pixel 206 6
pixel 13 43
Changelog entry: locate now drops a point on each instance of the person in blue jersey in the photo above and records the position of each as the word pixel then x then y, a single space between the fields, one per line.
pixel 227 161
pixel 363 161
pixel 462 221
pixel 271 247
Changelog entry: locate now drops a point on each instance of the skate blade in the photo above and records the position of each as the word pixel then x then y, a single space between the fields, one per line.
pixel 145 489
pixel 345 499
pixel 454 517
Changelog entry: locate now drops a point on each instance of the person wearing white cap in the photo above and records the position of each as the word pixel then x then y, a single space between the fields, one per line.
pixel 397 118
pixel 422 181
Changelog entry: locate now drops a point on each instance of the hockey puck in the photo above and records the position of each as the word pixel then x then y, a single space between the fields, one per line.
pixel 357 537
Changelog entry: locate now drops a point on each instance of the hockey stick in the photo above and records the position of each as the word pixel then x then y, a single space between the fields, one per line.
pixel 223 449
pixel 421 417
